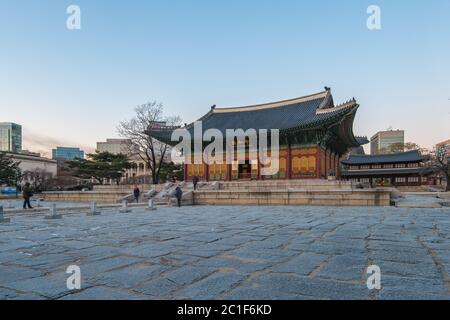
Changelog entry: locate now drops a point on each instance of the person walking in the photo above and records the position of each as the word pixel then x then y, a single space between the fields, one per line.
pixel 195 182
pixel 136 193
pixel 27 194
pixel 179 195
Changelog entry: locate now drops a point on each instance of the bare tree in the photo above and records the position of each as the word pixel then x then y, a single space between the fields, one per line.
pixel 40 179
pixel 440 163
pixel 147 147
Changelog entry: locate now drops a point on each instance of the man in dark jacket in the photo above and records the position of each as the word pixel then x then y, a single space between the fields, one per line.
pixel 179 195
pixel 195 182
pixel 27 194
pixel 136 193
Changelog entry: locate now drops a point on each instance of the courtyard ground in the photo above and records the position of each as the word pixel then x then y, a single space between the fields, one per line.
pixel 229 253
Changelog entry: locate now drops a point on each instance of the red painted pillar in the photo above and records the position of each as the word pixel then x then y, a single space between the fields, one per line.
pixel 228 172
pixel 259 169
pixel 206 171
pixel 338 167
pixel 288 164
pixel 318 162
pixel 333 162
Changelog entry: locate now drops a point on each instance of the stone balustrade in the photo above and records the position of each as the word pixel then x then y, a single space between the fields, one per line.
pixel 312 184
pixel 84 196
pixel 337 197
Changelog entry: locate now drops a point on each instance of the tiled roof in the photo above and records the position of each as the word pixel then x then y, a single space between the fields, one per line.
pixel 304 112
pixel 410 156
pixel 362 140
pixel 380 172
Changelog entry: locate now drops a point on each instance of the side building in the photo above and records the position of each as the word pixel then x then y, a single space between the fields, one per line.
pixel 140 172
pixel 396 169
pixel 34 166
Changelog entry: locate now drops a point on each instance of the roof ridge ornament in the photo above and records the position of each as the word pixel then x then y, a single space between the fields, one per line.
pixel 348 104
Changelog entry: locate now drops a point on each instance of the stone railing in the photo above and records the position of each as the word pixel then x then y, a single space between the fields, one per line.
pixel 286 184
pixel 83 196
pixel 337 197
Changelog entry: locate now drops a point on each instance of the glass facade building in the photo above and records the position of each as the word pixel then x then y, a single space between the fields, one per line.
pixel 67 153
pixel 382 141
pixel 10 137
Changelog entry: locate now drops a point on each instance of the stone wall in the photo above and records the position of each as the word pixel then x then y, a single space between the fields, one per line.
pixel 312 192
pixel 314 184
pixel 80 196
pixel 374 197
pixel 128 188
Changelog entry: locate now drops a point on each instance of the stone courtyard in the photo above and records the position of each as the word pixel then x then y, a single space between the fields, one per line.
pixel 229 253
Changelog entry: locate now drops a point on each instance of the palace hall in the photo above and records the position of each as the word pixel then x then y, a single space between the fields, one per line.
pixel 314 134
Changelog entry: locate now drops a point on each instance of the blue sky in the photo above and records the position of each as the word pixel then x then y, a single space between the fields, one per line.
pixel 73 87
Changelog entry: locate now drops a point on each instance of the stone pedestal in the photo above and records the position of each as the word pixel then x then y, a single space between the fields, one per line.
pixel 124 208
pixel 53 214
pixel 2 217
pixel 93 210
pixel 151 205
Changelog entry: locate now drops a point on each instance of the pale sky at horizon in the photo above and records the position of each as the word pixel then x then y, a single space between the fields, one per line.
pixel 72 88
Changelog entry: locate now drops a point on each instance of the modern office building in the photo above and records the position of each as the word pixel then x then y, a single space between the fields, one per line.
pixel 10 137
pixel 115 146
pixel 67 153
pixel 384 142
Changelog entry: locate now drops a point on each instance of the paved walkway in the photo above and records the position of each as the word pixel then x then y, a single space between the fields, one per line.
pixel 229 253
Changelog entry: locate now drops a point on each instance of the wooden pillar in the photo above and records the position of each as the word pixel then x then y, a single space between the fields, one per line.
pixel 228 172
pixel 259 169
pixel 185 172
pixel 318 162
pixel 205 171
pixel 329 162
pixel 333 162
pixel 289 164
pixel 336 160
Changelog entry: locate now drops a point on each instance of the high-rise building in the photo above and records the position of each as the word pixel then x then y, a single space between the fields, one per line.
pixel 115 146
pixel 67 153
pixel 387 142
pixel 10 137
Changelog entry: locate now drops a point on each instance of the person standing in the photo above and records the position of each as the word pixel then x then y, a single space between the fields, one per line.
pixel 195 182
pixel 179 195
pixel 27 194
pixel 136 193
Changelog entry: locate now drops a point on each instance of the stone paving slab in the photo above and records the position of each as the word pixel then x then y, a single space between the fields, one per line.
pixel 265 253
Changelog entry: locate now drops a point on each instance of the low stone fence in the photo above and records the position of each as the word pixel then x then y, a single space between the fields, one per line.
pixel 84 196
pixel 267 185
pixel 258 196
pixel 128 188
pixel 338 197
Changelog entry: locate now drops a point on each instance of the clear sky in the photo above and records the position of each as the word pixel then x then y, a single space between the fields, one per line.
pixel 73 87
